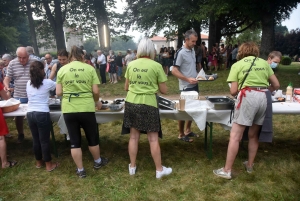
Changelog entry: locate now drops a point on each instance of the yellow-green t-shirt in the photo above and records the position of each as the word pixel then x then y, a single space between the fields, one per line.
pixel 77 79
pixel 144 76
pixel 258 76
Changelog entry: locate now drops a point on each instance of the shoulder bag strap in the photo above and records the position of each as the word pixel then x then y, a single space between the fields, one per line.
pixel 247 73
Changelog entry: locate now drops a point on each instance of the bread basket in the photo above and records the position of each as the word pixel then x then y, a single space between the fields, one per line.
pixel 11 108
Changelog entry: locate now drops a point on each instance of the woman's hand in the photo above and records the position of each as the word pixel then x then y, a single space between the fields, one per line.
pixel 98 105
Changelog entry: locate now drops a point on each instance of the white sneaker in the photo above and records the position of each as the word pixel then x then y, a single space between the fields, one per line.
pixel 249 169
pixel 131 170
pixel 165 171
pixel 221 173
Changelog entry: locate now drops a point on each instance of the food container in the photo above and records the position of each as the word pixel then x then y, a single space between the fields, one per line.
pixel 116 107
pixel 166 104
pixel 220 102
pixel 54 104
pixel 194 95
pixel 11 108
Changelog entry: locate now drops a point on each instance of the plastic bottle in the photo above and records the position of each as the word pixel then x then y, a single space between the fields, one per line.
pixel 289 93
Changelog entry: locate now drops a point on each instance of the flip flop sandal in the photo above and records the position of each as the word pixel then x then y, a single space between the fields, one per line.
pixel 186 139
pixel 11 164
pixel 191 134
pixel 56 165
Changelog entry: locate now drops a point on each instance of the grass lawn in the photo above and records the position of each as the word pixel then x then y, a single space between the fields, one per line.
pixel 276 171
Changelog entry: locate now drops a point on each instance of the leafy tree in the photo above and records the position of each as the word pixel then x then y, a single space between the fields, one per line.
pixel 279 29
pixel 90 45
pixel 268 13
pixel 119 44
pixel 289 43
pixel 250 34
pixel 9 34
pixel 8 39
pixel 26 7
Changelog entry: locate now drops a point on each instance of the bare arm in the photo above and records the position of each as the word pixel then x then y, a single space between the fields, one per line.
pixel 53 72
pixel 96 92
pixel 4 95
pixel 274 83
pixel 234 88
pixel 126 85
pixel 6 83
pixel 163 88
pixel 179 75
pixel 59 91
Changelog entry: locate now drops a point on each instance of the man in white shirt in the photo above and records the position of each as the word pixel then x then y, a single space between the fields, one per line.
pixel 102 63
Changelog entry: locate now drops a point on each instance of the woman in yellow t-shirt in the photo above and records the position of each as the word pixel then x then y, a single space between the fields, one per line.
pixel 252 87
pixel 77 82
pixel 144 78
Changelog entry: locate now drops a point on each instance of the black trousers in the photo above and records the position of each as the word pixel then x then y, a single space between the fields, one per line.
pixel 102 73
pixel 202 63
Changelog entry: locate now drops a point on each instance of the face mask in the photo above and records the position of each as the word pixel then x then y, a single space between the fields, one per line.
pixel 273 65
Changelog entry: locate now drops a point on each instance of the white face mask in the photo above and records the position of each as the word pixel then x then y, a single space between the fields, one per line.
pixel 273 64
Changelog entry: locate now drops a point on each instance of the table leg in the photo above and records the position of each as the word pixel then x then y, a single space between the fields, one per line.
pixel 209 148
pixel 53 140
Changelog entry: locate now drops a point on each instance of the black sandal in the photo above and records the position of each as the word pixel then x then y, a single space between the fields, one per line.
pixel 191 134
pixel 11 164
pixel 185 139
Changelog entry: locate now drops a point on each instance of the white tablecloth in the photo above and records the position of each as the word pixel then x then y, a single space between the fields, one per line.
pixel 215 116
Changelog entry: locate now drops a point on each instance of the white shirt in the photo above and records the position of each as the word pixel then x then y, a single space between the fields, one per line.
pixel 38 98
pixel 101 59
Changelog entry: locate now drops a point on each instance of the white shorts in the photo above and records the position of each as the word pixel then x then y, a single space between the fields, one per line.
pixel 252 109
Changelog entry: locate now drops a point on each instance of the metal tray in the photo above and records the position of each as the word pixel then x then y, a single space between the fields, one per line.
pixel 55 106
pixel 220 102
pixel 166 104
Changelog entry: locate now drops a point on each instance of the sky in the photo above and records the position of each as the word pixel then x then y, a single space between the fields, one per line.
pixel 292 23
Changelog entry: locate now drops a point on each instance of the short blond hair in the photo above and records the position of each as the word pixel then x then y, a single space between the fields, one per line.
pixel 275 54
pixel 247 49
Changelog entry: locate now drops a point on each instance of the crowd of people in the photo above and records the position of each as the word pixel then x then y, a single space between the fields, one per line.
pixel 73 77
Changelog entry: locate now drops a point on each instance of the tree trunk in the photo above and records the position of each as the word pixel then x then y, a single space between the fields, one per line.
pixel 102 25
pixel 268 36
pixel 57 23
pixel 212 32
pixel 32 27
pixel 218 31
pixel 197 28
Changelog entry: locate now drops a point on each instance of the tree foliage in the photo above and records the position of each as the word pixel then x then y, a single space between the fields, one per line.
pixel 288 44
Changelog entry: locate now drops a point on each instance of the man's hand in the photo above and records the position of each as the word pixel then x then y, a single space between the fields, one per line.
pixel 192 80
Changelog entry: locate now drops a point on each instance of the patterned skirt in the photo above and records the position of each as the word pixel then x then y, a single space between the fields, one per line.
pixel 142 117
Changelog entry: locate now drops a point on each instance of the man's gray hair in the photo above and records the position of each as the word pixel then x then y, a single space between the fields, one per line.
pixel 146 49
pixel 29 50
pixel 190 32
pixel 7 57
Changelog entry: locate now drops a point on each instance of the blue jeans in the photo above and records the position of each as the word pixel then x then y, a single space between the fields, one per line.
pixel 40 124
pixel 120 70
pixel 22 100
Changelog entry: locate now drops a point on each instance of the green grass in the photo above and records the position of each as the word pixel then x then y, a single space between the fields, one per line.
pixel 276 171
